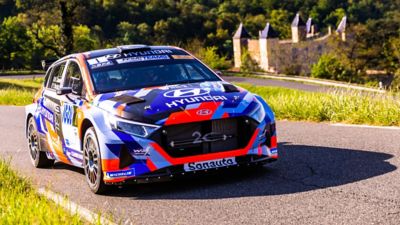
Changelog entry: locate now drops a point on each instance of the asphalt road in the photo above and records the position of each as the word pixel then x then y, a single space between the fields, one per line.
pixel 256 81
pixel 325 175
pixel 280 83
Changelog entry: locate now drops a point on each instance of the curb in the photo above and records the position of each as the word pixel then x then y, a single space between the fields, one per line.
pixel 74 208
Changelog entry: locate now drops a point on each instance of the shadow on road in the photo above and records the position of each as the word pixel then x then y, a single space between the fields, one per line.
pixel 300 168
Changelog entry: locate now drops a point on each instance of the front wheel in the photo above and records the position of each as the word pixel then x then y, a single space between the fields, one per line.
pixel 38 157
pixel 92 162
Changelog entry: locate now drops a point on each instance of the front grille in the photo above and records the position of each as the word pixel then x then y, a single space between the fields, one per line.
pixel 205 137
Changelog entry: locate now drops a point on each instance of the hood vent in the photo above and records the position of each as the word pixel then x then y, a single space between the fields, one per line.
pixel 127 99
pixel 230 88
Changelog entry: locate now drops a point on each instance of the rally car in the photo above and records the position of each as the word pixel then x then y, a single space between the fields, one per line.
pixel 140 112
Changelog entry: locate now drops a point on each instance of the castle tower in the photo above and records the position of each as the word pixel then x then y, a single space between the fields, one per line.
pixel 267 38
pixel 341 29
pixel 240 40
pixel 299 31
pixel 311 28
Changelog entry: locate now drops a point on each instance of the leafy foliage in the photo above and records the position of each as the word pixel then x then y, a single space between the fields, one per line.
pixel 330 67
pixel 211 58
pixel 248 64
pixel 31 30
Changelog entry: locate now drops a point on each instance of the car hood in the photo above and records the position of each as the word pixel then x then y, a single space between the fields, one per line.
pixel 174 104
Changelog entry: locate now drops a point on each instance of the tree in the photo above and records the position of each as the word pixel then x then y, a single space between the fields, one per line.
pixel 14 42
pixel 64 14
pixel 280 21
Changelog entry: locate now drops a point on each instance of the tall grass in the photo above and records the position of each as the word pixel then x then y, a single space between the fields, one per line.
pixel 19 204
pixel 340 106
pixel 18 92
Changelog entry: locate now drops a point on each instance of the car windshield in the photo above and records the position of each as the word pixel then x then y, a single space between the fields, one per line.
pixel 136 75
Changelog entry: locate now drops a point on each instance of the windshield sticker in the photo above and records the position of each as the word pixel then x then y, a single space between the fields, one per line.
pixel 182 56
pixel 142 58
pixel 99 62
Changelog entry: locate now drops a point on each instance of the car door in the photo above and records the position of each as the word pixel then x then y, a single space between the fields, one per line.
pixel 71 111
pixel 51 107
pixel 62 135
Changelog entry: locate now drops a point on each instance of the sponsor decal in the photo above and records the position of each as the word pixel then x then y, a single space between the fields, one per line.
pixel 142 58
pixel 46 113
pixel 68 114
pixel 210 164
pixel 186 92
pixel 149 52
pixel 204 112
pixel 141 152
pixel 99 62
pixel 122 173
pixel 197 99
pixel 157 54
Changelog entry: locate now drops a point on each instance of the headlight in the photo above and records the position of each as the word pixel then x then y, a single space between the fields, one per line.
pixel 258 113
pixel 130 127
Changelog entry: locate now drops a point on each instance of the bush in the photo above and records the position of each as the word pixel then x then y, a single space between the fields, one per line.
pixel 248 64
pixel 395 85
pixel 330 67
pixel 210 57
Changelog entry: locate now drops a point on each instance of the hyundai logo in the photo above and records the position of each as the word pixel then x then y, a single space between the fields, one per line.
pixel 203 112
pixel 186 92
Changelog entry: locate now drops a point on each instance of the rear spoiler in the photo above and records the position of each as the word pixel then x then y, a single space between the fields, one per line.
pixel 47 63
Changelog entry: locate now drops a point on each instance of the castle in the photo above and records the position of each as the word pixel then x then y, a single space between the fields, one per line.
pixel 293 56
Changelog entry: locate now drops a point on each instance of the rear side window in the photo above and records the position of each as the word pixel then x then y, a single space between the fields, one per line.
pixel 56 76
pixel 73 78
pixel 46 78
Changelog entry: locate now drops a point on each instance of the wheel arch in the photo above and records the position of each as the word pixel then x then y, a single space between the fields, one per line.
pixel 86 124
pixel 28 117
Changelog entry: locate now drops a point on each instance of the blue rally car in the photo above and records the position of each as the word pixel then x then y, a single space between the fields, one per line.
pixel 144 112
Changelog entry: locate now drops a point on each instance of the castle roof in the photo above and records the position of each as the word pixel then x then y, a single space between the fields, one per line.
pixel 268 32
pixel 342 25
pixel 241 32
pixel 309 24
pixel 297 21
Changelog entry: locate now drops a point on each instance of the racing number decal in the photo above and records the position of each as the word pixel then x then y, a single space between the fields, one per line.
pixel 69 126
pixel 68 114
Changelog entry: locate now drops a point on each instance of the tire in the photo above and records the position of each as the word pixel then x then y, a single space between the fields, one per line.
pixel 92 162
pixel 38 157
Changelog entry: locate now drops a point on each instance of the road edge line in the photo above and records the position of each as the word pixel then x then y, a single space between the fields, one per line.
pixel 73 208
pixel 365 126
pixel 312 81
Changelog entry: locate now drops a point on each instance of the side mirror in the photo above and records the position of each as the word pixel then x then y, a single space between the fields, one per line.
pixel 64 91
pixel 218 72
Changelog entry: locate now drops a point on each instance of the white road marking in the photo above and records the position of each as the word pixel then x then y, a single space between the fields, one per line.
pixel 74 208
pixel 365 126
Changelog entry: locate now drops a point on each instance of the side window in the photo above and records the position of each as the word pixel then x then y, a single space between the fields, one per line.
pixel 73 78
pixel 47 76
pixel 56 76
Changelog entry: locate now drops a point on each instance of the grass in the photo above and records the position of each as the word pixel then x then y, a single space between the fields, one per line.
pixel 352 107
pixel 343 106
pixel 370 84
pixel 18 92
pixel 19 72
pixel 19 203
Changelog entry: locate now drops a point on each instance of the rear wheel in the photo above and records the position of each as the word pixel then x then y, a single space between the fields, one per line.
pixel 92 162
pixel 38 157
